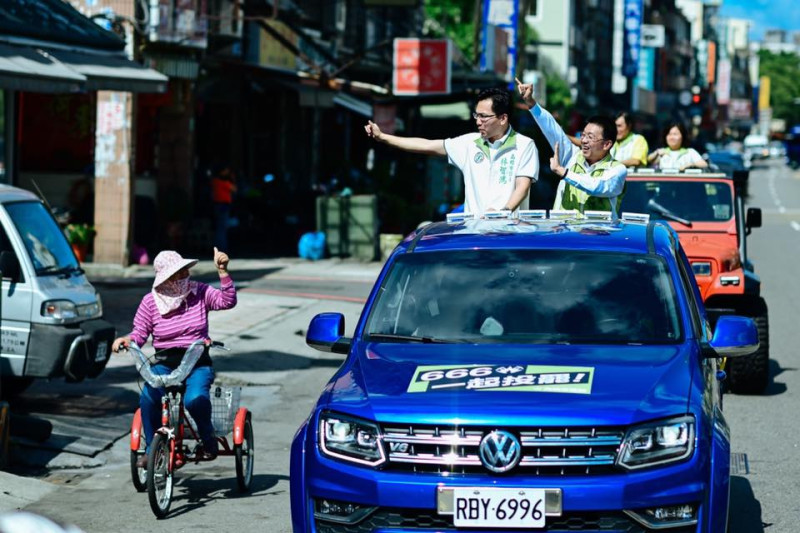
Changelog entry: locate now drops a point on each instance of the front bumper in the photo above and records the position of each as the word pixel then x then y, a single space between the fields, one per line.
pixel 407 502
pixel 74 352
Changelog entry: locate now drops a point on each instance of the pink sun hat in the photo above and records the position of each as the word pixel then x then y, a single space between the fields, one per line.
pixel 168 263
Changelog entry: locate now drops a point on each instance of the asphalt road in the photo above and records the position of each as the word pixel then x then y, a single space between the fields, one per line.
pixel 282 378
pixel 766 427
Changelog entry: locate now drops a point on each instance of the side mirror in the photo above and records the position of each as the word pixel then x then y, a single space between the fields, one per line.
pixel 734 336
pixel 325 333
pixel 9 266
pixel 753 217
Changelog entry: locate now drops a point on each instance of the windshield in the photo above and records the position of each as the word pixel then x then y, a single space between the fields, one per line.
pixel 526 296
pixel 691 200
pixel 45 242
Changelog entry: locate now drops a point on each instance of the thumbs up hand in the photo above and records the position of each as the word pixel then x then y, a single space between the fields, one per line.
pixel 221 261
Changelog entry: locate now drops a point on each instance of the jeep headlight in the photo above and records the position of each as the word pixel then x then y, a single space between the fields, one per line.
pixel 701 268
pixel 656 443
pixel 350 439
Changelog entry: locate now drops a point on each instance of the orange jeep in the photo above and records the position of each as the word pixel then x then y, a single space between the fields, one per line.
pixel 707 211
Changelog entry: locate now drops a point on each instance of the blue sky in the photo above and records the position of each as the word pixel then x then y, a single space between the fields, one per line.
pixel 765 14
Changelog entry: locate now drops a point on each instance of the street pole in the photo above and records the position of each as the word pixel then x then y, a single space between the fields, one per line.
pixel 476 43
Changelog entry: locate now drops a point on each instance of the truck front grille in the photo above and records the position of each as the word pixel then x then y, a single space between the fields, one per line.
pixel 545 451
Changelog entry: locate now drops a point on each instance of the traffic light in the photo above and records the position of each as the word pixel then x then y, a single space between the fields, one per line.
pixel 695 98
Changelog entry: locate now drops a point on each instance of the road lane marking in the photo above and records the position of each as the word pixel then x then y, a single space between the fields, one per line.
pixel 774 192
pixel 795 225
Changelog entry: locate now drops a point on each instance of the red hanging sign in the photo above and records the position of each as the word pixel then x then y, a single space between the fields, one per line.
pixel 421 66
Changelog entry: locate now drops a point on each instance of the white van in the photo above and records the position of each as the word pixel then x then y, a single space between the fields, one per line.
pixel 756 146
pixel 52 323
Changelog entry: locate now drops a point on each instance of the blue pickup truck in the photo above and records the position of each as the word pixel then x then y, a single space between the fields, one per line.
pixel 532 373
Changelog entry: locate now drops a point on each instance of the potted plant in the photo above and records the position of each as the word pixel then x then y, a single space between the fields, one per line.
pixel 79 237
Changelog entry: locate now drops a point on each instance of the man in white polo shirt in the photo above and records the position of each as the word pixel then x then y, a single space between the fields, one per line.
pixel 498 163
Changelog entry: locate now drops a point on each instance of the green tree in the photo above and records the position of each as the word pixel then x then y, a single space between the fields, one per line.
pixel 453 19
pixel 783 70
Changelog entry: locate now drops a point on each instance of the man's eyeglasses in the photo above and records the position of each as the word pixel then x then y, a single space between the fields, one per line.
pixel 591 137
pixel 481 117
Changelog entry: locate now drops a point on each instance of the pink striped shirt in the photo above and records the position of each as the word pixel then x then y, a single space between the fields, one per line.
pixel 186 324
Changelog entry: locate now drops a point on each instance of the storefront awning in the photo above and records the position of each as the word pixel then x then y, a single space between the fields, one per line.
pixel 353 104
pixel 41 69
pixel 112 72
pixel 23 68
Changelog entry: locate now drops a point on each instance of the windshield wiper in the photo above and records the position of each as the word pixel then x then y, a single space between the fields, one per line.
pixel 409 338
pixel 655 207
pixel 66 271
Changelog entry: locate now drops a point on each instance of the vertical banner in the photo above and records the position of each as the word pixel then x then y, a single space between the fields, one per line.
pixel 701 50
pixel 645 77
pixel 421 66
pixel 502 14
pixel 619 83
pixel 724 82
pixel 632 43
pixel 711 75
pixel 763 93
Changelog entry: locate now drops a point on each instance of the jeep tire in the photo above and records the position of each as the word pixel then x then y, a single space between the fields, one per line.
pixel 750 374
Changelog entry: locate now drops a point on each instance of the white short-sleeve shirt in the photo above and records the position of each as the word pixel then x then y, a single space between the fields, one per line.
pixel 679 158
pixel 491 169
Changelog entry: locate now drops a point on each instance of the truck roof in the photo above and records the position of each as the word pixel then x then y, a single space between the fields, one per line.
pixel 9 193
pixel 560 234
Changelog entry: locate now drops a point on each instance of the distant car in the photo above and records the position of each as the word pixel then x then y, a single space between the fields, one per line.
pixel 552 374
pixel 728 161
pixel 777 149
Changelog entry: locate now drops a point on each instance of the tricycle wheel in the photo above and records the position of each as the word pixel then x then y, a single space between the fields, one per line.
pixel 245 454
pixel 159 475
pixel 138 475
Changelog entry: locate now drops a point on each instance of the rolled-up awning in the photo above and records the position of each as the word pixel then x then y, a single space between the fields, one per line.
pixel 41 69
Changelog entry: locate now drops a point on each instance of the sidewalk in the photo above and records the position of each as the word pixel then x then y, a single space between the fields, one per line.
pixel 110 273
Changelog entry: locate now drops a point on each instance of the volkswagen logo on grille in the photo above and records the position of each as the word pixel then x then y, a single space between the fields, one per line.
pixel 500 451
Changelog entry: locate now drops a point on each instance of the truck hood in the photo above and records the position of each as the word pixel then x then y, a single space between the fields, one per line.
pixel 721 247
pixel 605 385
pixel 76 288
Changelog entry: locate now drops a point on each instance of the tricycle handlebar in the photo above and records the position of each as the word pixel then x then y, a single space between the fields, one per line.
pixel 174 378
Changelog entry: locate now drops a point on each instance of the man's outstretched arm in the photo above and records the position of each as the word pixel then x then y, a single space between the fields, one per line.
pixel 417 145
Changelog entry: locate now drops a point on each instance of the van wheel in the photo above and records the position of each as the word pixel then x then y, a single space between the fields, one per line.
pixel 750 374
pixel 12 386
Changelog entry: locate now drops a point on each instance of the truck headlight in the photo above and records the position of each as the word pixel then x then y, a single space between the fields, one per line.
pixel 91 310
pixel 701 268
pixel 350 439
pixel 657 443
pixel 59 309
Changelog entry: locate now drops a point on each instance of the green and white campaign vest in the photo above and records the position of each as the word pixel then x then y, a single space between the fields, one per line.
pixel 574 198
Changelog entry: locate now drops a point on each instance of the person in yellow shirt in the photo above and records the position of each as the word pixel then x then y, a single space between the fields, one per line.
pixel 631 148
